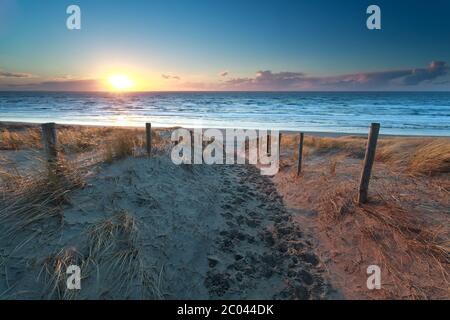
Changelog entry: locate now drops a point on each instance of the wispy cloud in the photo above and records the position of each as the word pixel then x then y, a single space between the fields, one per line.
pixel 63 78
pixel 61 85
pixel 224 73
pixel 169 77
pixel 6 74
pixel 435 69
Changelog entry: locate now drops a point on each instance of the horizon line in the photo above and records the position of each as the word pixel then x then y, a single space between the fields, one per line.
pixel 222 91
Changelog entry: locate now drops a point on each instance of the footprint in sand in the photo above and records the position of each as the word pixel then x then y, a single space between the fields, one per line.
pixel 261 254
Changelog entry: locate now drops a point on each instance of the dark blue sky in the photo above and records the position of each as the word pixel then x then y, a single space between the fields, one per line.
pixel 214 45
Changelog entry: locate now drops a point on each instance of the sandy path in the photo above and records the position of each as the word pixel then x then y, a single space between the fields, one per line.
pixel 260 254
pixel 198 232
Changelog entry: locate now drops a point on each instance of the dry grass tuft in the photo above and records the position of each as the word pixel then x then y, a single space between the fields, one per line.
pixel 15 140
pixel 112 266
pixel 334 161
pixel 114 247
pixel 430 156
pixel 32 199
pixel 54 274
pixel 121 229
pixel 392 235
pixel 336 204
pixel 123 143
pixel 79 140
pixel 352 145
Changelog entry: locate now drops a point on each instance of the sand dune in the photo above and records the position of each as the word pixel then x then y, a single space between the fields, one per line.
pixel 144 228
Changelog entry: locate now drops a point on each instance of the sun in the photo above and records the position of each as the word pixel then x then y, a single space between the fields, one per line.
pixel 120 82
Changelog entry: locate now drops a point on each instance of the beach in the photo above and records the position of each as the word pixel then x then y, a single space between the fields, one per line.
pixel 224 158
pixel 144 228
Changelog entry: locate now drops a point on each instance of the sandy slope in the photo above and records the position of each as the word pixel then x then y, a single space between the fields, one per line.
pixel 145 228
pixel 357 237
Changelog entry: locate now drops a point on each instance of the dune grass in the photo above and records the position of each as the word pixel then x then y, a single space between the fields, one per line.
pixel 111 143
pixel 354 146
pixel 82 139
pixel 71 139
pixel 30 199
pixel 32 206
pixel 16 140
pixel 122 144
pixel 428 156
pixel 392 235
pixel 114 248
pixel 54 277
pixel 110 253
pixel 417 156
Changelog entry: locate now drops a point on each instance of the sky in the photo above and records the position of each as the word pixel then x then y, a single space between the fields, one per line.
pixel 225 45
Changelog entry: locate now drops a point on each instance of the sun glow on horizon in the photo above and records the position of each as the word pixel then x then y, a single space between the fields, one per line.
pixel 120 82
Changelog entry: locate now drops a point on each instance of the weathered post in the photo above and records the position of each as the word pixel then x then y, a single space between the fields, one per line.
pixel 368 162
pixel 300 153
pixel 49 139
pixel 257 144
pixel 280 136
pixel 148 131
pixel 192 146
pixel 269 140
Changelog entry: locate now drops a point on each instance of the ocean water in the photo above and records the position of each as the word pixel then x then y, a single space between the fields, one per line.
pixel 400 113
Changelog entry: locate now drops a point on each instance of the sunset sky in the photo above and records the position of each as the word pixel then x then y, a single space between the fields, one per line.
pixel 224 45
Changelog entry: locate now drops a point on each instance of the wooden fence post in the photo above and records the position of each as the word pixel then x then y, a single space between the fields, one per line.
pixel 269 140
pixel 368 162
pixel 192 146
pixel 49 139
pixel 148 131
pixel 280 136
pixel 300 153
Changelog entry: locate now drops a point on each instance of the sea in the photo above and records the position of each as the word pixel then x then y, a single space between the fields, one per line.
pixel 399 113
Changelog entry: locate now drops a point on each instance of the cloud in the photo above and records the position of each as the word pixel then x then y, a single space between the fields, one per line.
pixel 67 85
pixel 435 69
pixel 268 80
pixel 435 75
pixel 5 74
pixel 63 78
pixel 168 77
